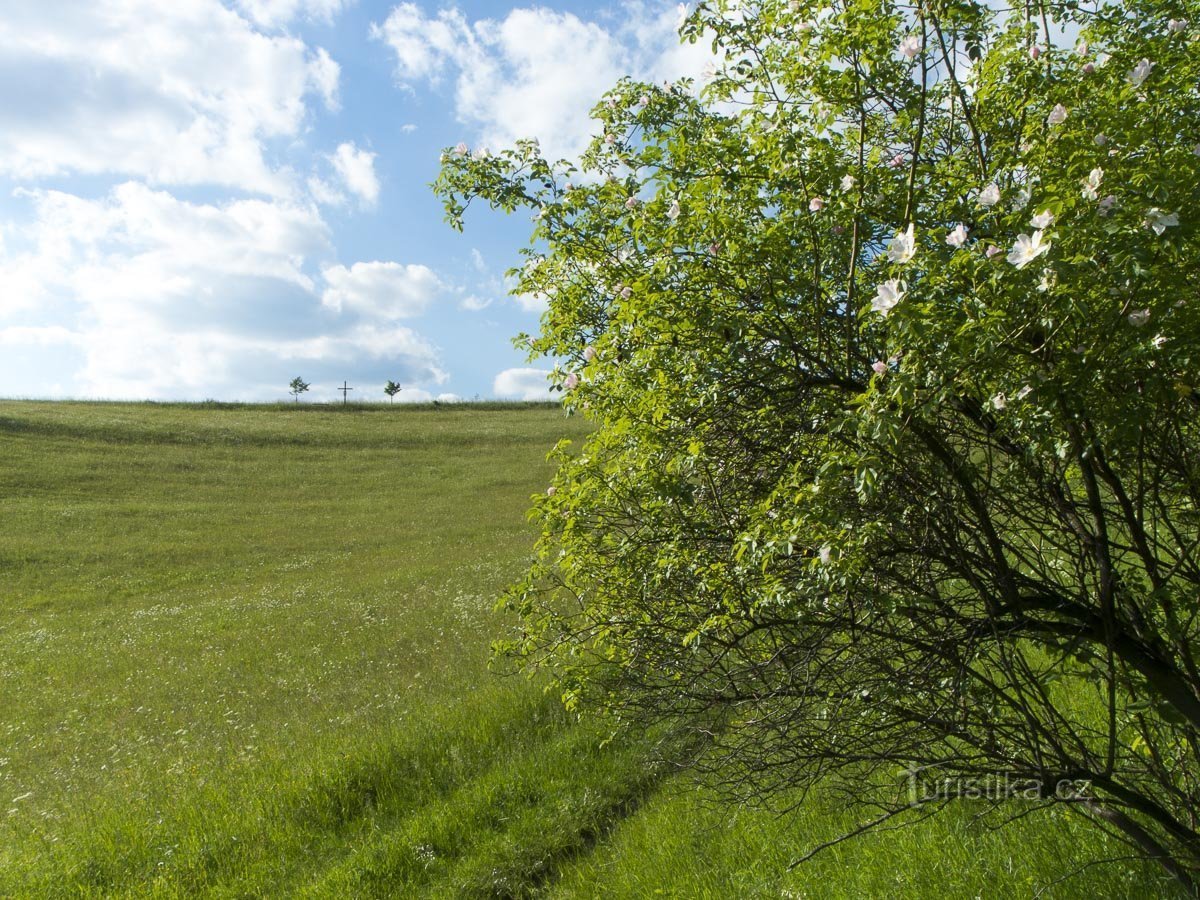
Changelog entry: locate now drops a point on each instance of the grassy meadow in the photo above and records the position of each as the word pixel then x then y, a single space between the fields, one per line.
pixel 243 653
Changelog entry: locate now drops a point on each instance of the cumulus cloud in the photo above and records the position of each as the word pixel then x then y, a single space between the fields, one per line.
pixel 356 168
pixel 536 72
pixel 186 92
pixel 157 297
pixel 275 13
pixel 522 384
pixel 386 290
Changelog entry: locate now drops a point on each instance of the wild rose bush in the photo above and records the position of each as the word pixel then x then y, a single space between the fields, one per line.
pixel 890 335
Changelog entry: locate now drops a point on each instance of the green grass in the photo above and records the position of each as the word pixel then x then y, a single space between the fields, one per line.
pixel 243 652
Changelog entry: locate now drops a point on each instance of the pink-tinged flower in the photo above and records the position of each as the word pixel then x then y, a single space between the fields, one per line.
pixel 1057 116
pixel 887 295
pixel 572 382
pixel 589 353
pixel 910 46
pixel 631 203
pixel 714 248
pixel 644 100
pixel 816 204
pixel 1042 220
pixel 461 149
pixel 903 246
pixel 957 237
pixel 551 491
pixel 1035 51
pixel 1158 221
pixel 610 139
pixel 879 367
pixel 990 195
pixel 1091 184
pixel 625 292
pixel 1138 317
pixel 1027 249
pixel 1176 26
pixel 1089 68
pixel 896 161
pixel 673 211
pixel 999 401
pixel 1082 48
pixel 1104 207
pixel 992 250
pixel 848 182
pixel 1140 73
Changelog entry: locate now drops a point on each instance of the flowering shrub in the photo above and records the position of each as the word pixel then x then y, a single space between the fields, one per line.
pixel 891 338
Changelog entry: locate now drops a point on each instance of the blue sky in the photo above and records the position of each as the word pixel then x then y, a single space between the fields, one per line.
pixel 206 198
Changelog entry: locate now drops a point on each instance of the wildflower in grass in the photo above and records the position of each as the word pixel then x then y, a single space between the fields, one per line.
pixel 1027 249
pixel 903 247
pixel 887 295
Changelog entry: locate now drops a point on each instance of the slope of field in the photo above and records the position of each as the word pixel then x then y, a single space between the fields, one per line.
pixel 243 652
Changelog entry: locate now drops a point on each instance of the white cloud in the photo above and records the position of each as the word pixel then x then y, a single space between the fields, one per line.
pixel 522 384
pixel 356 168
pixel 156 297
pixel 185 92
pixel 472 303
pixel 386 290
pixel 325 193
pixel 274 13
pixel 537 72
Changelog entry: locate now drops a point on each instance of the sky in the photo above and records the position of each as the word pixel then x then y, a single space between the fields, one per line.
pixel 204 199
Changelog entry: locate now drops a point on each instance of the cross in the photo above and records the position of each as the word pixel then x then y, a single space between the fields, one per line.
pixel 345 391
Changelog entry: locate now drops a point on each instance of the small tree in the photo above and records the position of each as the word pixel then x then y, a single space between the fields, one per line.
pixel 391 389
pixel 892 353
pixel 298 387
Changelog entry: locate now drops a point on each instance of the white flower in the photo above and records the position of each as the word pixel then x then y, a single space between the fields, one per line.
pixel 903 246
pixel 625 292
pixel 572 382
pixel 1057 116
pixel 610 139
pixel 887 295
pixel 1091 184
pixel 1158 221
pixel 1042 220
pixel 631 203
pixel 1082 48
pixel 673 210
pixel 990 195
pixel 910 46
pixel 826 554
pixel 958 236
pixel 1159 340
pixel 589 353
pixel 460 149
pixel 1138 317
pixel 879 367
pixel 1175 26
pixel 848 182
pixel 992 250
pixel 896 161
pixel 999 401
pixel 1140 73
pixel 551 491
pixel 816 204
pixel 1027 249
